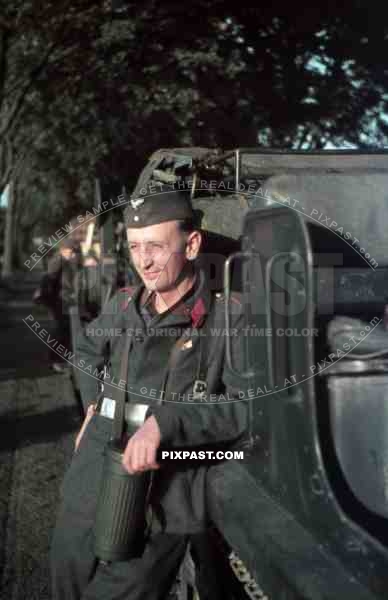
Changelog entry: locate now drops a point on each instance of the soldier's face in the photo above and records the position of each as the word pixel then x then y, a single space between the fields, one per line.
pixel 159 253
pixel 67 253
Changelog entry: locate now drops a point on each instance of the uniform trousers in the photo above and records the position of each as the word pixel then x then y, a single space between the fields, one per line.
pixel 75 571
pixel 62 331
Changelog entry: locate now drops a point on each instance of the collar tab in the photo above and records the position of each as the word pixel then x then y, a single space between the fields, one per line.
pixel 198 313
pixel 127 293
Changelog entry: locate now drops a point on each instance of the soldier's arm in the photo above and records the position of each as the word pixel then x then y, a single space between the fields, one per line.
pixel 200 423
pixel 54 265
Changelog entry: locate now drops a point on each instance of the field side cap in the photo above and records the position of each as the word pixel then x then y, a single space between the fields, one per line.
pixel 161 203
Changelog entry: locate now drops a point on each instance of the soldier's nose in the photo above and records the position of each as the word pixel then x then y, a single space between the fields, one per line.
pixel 146 261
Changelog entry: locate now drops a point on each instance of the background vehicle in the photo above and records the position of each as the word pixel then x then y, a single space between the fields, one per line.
pixel 305 514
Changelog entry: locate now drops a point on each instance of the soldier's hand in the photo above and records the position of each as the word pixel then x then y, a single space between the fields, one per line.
pixel 140 453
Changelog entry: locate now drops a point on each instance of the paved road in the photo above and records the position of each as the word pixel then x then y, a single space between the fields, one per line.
pixel 38 417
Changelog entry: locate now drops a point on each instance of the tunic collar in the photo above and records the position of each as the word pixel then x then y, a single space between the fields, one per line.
pixel 191 309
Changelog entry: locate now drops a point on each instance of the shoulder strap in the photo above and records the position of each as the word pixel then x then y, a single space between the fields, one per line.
pixel 200 384
pixel 120 393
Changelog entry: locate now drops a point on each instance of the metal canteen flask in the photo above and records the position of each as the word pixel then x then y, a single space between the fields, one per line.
pixel 119 532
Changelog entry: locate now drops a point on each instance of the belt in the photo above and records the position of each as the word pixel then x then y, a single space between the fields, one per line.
pixel 134 412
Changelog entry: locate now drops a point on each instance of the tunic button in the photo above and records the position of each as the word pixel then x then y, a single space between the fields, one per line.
pixel 139 338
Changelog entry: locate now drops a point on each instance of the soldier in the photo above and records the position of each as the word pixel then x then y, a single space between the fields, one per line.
pixel 57 290
pixel 198 407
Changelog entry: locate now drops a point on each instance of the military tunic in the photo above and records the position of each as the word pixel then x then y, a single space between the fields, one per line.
pixel 215 421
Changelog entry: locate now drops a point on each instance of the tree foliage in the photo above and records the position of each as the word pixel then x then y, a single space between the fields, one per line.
pixel 88 91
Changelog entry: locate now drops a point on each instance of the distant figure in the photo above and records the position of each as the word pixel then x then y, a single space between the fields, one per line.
pixel 58 291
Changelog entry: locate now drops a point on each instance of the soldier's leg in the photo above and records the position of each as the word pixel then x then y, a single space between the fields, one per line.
pixel 210 567
pixel 147 578
pixel 72 556
pixel 72 559
pixel 62 328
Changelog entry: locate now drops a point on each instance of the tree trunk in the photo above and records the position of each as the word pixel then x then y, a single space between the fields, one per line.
pixel 8 234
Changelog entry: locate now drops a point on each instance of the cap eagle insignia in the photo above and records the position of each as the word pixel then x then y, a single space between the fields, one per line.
pixel 136 202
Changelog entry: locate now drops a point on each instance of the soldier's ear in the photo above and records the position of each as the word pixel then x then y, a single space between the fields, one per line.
pixel 193 244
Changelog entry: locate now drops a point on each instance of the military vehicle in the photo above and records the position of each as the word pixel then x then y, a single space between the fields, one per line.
pixel 302 235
